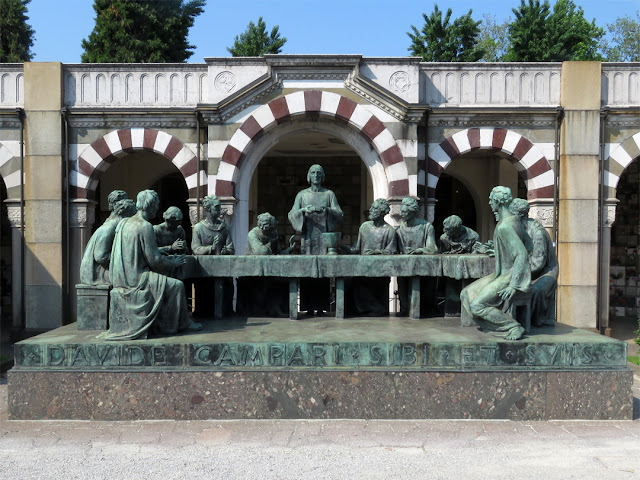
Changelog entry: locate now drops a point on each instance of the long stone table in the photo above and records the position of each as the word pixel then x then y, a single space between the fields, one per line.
pixel 295 267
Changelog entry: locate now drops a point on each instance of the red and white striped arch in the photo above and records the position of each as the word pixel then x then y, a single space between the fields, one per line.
pixel 313 103
pixel 97 157
pixel 527 158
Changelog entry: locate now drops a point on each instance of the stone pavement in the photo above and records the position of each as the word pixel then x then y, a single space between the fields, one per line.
pixel 320 448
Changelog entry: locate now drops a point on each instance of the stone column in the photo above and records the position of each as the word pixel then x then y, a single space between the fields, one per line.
pixel 81 219
pixel 608 219
pixel 15 220
pixel 44 255
pixel 578 194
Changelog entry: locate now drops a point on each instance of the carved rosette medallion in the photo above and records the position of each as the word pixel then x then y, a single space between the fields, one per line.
pixel 400 82
pixel 225 82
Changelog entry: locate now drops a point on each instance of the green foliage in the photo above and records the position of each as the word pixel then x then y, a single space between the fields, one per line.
pixel 441 41
pixel 633 359
pixel 493 38
pixel 541 35
pixel 16 35
pixel 141 31
pixel 255 42
pixel 625 42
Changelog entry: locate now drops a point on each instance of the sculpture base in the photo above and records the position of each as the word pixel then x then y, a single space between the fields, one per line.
pixel 323 368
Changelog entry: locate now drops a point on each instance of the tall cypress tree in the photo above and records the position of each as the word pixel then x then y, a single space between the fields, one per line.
pixel 141 31
pixel 16 35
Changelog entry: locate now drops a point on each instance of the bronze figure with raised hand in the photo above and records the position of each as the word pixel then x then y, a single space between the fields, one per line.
pixel 142 299
pixel 170 234
pixel 487 301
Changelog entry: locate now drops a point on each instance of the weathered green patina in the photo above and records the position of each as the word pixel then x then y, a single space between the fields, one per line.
pixel 142 298
pixel 328 343
pixel 488 301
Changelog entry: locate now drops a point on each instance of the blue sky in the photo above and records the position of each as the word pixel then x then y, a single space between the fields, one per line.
pixel 367 27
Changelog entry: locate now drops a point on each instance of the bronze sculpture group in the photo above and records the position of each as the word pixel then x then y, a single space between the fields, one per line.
pixel 139 260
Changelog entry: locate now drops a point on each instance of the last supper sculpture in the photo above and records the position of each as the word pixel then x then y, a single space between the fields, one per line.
pixel 145 265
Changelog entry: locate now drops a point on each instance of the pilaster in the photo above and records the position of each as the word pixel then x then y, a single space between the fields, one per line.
pixel 578 194
pixel 44 253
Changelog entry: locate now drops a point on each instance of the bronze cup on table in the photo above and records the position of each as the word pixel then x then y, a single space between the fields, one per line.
pixel 332 242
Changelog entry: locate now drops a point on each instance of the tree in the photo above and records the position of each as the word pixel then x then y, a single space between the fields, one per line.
pixel 441 41
pixel 141 31
pixel 540 35
pixel 625 42
pixel 16 35
pixel 493 38
pixel 254 41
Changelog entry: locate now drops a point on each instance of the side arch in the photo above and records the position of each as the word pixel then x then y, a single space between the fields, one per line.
pixel 619 159
pixel 312 104
pixel 527 158
pixel 10 169
pixel 97 157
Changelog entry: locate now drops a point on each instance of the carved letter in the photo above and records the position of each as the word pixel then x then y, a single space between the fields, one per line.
pixel 587 355
pixel 102 357
pixel 409 355
pixel 490 351
pixel 276 355
pixel 56 356
pixel 134 356
pixel 319 351
pixel 296 358
pixel 467 356
pixel 530 352
pixel 202 356
pixel 79 356
pixel 249 354
pixel 376 355
pixel 225 358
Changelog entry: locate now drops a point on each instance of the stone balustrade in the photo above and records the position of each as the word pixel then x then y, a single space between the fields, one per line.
pixel 11 85
pixel 491 84
pixel 135 85
pixel 620 84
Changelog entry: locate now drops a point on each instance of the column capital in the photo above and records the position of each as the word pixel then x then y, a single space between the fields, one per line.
pixel 82 213
pixel 609 215
pixel 542 211
pixel 14 212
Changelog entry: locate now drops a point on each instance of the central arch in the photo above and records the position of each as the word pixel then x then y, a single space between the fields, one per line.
pixel 312 105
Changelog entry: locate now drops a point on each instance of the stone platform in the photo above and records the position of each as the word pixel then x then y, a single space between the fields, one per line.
pixel 322 368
